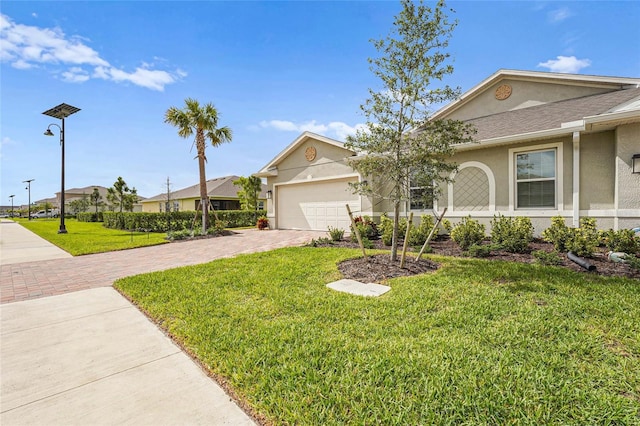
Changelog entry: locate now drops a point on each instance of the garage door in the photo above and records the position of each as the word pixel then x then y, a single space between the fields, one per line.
pixel 316 206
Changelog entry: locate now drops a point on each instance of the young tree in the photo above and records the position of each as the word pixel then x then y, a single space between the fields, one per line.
pixel 96 199
pixel 203 121
pixel 121 196
pixel 80 205
pixel 251 187
pixel 402 147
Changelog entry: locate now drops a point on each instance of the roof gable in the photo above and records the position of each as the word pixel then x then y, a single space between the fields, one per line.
pixel 221 187
pixel 509 90
pixel 271 168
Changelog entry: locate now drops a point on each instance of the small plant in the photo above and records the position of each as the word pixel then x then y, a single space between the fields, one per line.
pixel 467 233
pixel 336 234
pixel 366 226
pixel 623 240
pixel 263 223
pixel 386 229
pixel 633 261
pixel 479 250
pixel 418 235
pixel 217 228
pixel 547 258
pixel 179 235
pixel 366 243
pixel 322 241
pixel 513 234
pixel 583 241
pixel 446 225
pixel 558 234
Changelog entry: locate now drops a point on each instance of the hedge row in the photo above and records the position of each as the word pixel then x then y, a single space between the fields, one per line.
pixel 89 217
pixel 176 221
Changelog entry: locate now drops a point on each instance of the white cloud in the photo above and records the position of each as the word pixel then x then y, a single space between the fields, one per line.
pixel 565 64
pixel 559 15
pixel 336 129
pixel 27 47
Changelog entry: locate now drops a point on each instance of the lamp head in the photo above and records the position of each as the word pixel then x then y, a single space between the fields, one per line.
pixel 48 132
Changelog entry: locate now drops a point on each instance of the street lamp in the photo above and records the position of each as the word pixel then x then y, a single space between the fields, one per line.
pixel 28 188
pixel 11 196
pixel 61 112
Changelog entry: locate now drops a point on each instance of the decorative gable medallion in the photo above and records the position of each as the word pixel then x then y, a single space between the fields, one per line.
pixel 310 153
pixel 503 92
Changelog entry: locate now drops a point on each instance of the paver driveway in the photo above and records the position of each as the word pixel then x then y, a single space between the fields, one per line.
pixel 29 280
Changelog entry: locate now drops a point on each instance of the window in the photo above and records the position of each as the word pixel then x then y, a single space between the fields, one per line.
pixel 420 197
pixel 536 179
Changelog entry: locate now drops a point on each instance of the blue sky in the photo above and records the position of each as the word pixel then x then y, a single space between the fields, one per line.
pixel 273 70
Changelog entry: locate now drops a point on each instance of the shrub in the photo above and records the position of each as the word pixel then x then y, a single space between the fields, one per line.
pixel 467 233
pixel 386 229
pixel 446 224
pixel 584 240
pixel 89 217
pixel 558 234
pixel 418 234
pixel 366 226
pixel 263 222
pixel 319 242
pixel 366 243
pixel 336 234
pixel 547 258
pixel 179 235
pixel 512 234
pixel 623 240
pixel 217 228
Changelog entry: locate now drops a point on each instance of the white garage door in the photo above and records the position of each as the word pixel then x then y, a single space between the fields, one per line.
pixel 316 206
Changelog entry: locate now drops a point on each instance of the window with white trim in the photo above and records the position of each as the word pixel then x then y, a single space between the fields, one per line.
pixel 420 197
pixel 536 179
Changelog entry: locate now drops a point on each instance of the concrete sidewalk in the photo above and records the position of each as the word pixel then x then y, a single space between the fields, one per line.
pixel 17 245
pixel 74 351
pixel 91 358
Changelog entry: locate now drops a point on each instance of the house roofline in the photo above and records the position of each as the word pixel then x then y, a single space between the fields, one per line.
pixel 571 79
pixel 565 129
pixel 271 168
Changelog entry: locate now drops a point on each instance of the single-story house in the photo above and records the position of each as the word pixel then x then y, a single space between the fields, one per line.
pixel 223 195
pixel 547 144
pixel 86 191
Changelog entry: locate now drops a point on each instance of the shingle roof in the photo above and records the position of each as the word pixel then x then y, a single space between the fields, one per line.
pixel 221 187
pixel 549 116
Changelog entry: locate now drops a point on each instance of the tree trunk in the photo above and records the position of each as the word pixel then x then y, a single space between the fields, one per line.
pixel 204 198
pixel 396 225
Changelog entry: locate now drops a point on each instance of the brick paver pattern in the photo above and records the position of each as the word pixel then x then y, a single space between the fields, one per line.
pixel 30 280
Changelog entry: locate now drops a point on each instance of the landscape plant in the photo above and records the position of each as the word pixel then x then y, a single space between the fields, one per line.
pixel 203 121
pixel 249 192
pixel 336 234
pixel 512 234
pixel 402 147
pixel 551 258
pixel 468 232
pixel 263 222
pixel 121 197
pixel 622 240
pixel 367 227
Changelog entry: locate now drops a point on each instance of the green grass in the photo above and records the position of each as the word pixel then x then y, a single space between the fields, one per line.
pixel 90 237
pixel 477 342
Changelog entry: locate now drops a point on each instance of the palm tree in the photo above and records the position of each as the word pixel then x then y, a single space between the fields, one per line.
pixel 203 121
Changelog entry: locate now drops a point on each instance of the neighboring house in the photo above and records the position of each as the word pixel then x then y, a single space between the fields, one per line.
pixel 547 144
pixel 223 195
pixel 77 194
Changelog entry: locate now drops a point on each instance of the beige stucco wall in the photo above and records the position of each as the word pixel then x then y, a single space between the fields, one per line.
pixel 627 144
pixel 597 171
pixel 524 94
pixel 154 206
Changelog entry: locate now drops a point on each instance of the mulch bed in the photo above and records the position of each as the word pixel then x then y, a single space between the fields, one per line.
pixel 380 267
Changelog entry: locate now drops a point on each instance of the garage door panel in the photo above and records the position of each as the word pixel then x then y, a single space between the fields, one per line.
pixel 316 206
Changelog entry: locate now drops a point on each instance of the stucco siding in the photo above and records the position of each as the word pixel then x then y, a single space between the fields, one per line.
pixel 523 94
pixel 329 162
pixel 597 171
pixel 627 144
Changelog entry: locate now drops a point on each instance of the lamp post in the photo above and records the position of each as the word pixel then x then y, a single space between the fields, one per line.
pixel 11 196
pixel 61 112
pixel 28 188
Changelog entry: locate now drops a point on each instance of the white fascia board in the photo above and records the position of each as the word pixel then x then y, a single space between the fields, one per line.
pixel 522 137
pixel 612 117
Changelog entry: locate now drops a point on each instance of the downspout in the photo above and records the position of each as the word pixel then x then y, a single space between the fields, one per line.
pixel 576 179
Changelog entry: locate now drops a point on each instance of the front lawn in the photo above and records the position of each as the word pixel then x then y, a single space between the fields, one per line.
pixel 89 237
pixel 476 342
